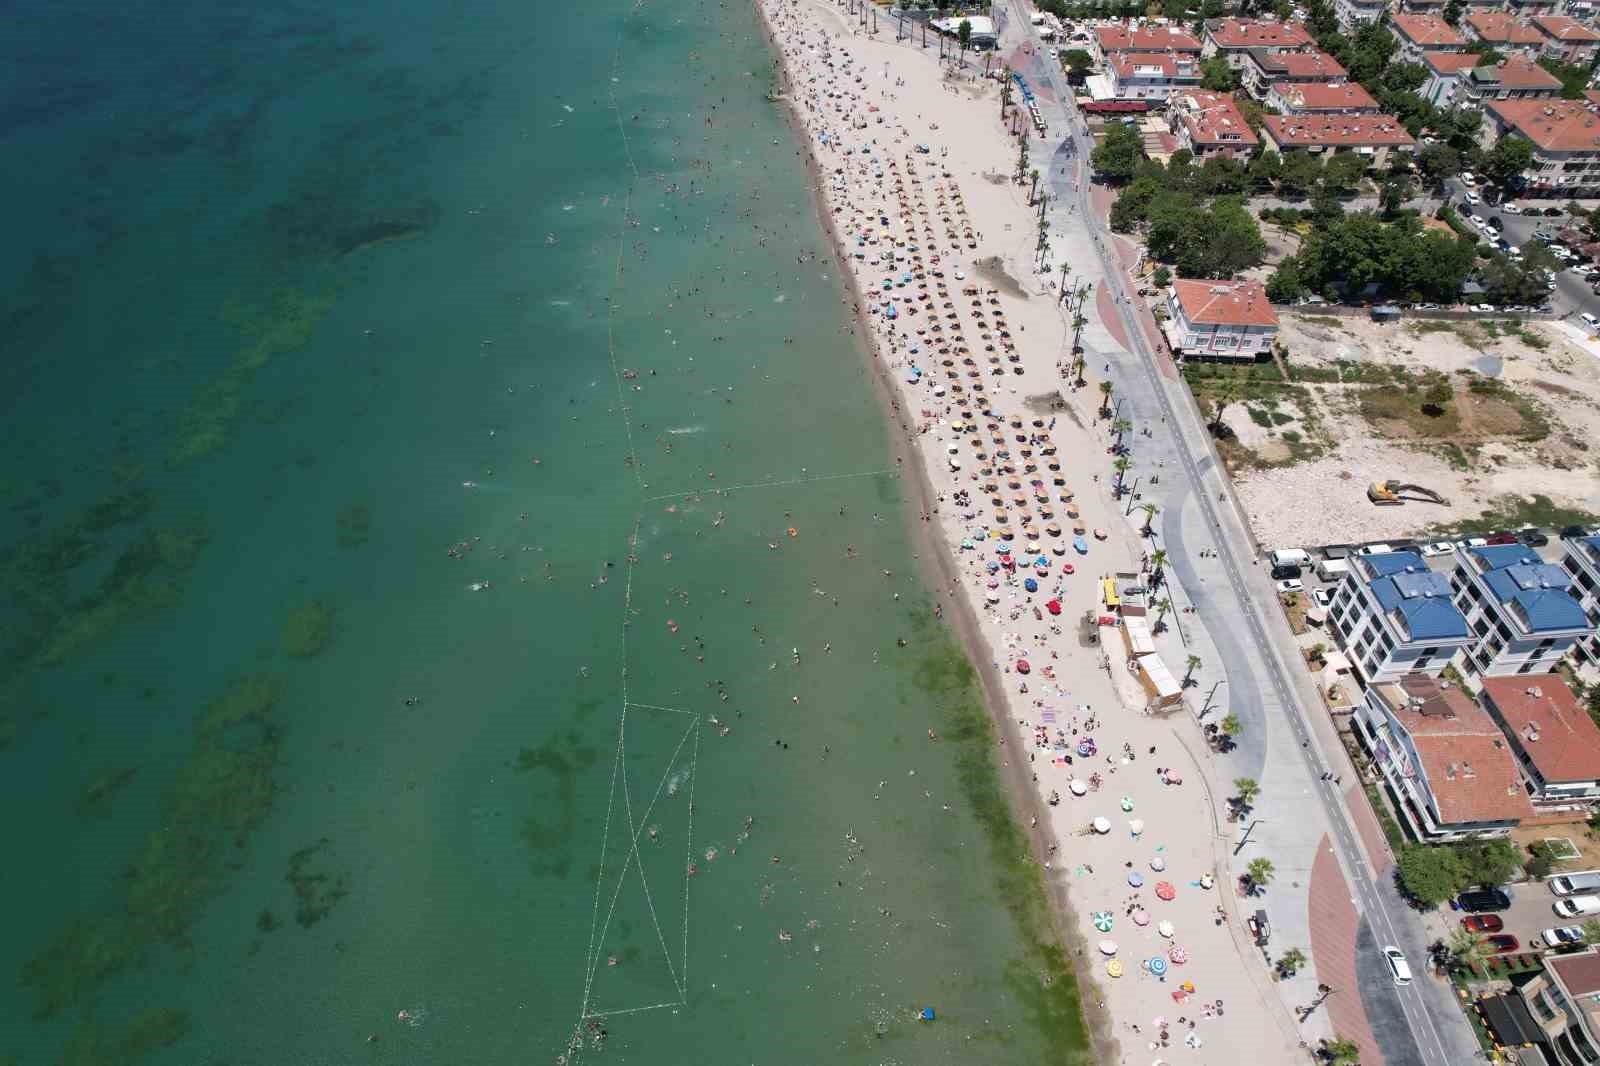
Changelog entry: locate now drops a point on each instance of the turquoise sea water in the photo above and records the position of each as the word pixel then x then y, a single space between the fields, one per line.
pixel 315 319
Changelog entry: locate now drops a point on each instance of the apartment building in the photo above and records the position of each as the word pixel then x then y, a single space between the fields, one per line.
pixel 1375 137
pixel 1220 320
pixel 1210 124
pixel 1523 618
pixel 1446 764
pixel 1581 559
pixel 1321 98
pixel 1566 142
pixel 1236 38
pixel 1564 1000
pixel 1143 38
pixel 1554 741
pixel 1395 618
pixel 1505 33
pixel 1424 33
pixel 1151 75
pixel 1568 40
pixel 1262 69
pixel 1353 13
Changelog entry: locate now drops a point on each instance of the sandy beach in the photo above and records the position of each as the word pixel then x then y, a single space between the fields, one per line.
pixel 971 340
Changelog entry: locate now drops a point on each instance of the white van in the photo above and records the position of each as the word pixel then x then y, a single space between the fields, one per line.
pixel 1376 549
pixel 1576 906
pixel 1570 884
pixel 1398 965
pixel 1290 557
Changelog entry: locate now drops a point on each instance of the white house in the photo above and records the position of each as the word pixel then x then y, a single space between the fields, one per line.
pixel 1394 617
pixel 1352 13
pixel 1220 320
pixel 1446 764
pixel 1151 75
pixel 1523 617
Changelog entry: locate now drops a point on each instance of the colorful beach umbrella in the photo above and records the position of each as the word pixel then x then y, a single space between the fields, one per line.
pixel 1114 968
pixel 1164 890
pixel 1157 964
pixel 1136 879
pixel 1102 921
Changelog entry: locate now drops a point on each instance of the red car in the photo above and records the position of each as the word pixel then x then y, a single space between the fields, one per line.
pixel 1483 923
pixel 1501 944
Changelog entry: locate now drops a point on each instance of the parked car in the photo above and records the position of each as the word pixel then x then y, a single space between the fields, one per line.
pixel 1279 573
pixel 1511 209
pixel 1590 320
pixel 1442 547
pixel 1397 964
pixel 1292 584
pixel 1501 944
pixel 1322 597
pixel 1533 538
pixel 1482 923
pixel 1563 936
pixel 1501 538
pixel 1484 899
pixel 1553 212
pixel 1467 178
pixel 1576 906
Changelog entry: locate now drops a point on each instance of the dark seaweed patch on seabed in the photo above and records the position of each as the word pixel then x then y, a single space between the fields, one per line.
pixel 548 832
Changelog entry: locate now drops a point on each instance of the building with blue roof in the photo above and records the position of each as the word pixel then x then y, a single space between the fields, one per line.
pixel 1581 560
pixel 1523 612
pixel 1395 617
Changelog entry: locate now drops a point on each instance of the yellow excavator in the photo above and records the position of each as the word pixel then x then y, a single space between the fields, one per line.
pixel 1395 493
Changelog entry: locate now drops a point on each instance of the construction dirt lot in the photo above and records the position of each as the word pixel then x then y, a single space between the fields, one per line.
pixel 1498 417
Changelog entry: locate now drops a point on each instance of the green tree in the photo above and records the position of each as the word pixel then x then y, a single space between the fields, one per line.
pixel 1264 171
pixel 1512 283
pixel 1221 175
pixel 1591 930
pixel 1453 11
pixel 1162 277
pixel 1260 872
pixel 1193 665
pixel 1078 63
pixel 1298 173
pixel 1510 156
pixel 1430 874
pixel 1149 510
pixel 1438 162
pixel 964 35
pixel 1245 790
pixel 1574 77
pixel 1489 862
pixel 1341 1051
pixel 1217 76
pixel 1118 154
pixel 1344 170
pixel 1231 727
pixel 1158 563
pixel 1393 198
pixel 1106 388
pixel 1467 950
pixel 1284 286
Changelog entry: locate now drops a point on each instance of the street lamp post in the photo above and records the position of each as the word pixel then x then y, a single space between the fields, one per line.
pixel 1206 707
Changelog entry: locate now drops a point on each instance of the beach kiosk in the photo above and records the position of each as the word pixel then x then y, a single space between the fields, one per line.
pixel 1160 686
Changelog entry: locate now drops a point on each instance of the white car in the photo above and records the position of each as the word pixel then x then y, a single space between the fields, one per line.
pixel 1511 209
pixel 1397 965
pixel 1467 178
pixel 1472 197
pixel 1291 584
pixel 1590 320
pixel 1477 220
pixel 1322 597
pixel 1442 547
pixel 1562 936
pixel 1483 309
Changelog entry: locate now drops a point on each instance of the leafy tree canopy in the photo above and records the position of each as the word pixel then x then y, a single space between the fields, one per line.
pixel 1117 156
pixel 1217 76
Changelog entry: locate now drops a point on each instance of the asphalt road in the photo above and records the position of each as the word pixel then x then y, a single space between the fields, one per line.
pixel 1417 1024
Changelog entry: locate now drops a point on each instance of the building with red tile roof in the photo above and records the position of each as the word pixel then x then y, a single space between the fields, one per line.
pixel 1556 743
pixel 1209 124
pixel 1220 320
pixel 1505 33
pixel 1321 98
pixel 1234 38
pixel 1567 39
pixel 1462 78
pixel 1444 760
pixel 1424 33
pixel 1566 141
pixel 1143 37
pixel 1564 1001
pixel 1263 68
pixel 1151 75
pixel 1374 136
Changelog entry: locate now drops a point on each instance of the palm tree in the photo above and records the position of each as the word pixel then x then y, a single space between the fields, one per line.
pixel 1194 664
pixel 1246 789
pixel 1468 950
pixel 1121 426
pixel 1149 510
pixel 986 57
pixel 1341 1051
pixel 1161 612
pixel 1226 393
pixel 1066 268
pixel 964 34
pixel 1121 467
pixel 1231 726
pixel 1158 563
pixel 1106 388
pixel 1258 874
pixel 1005 90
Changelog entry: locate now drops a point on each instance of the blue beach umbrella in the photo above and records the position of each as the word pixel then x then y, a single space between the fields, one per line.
pixel 1136 879
pixel 1158 965
pixel 1031 585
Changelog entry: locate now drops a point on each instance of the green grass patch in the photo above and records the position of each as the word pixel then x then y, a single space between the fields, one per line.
pixel 1513 512
pixel 1391 828
pixel 1322 320
pixel 1260 416
pixel 1411 407
pixel 1535 426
